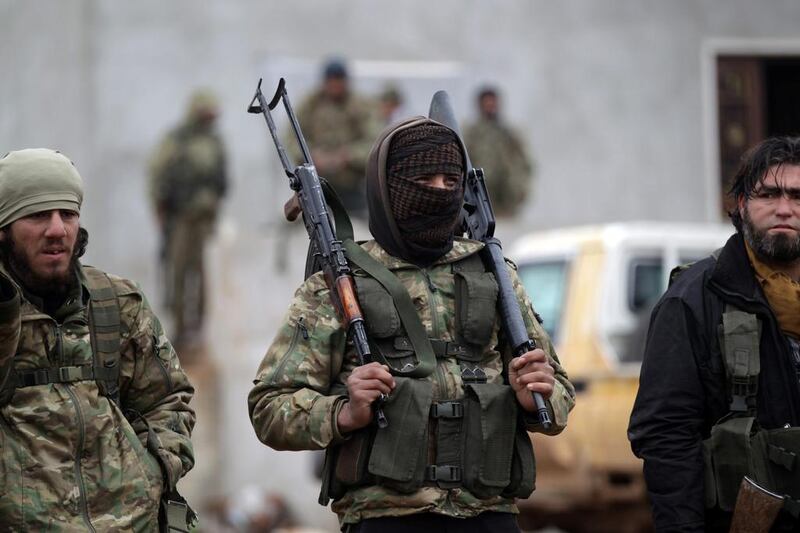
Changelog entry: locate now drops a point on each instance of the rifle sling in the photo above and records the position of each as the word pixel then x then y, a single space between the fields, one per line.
pixel 405 308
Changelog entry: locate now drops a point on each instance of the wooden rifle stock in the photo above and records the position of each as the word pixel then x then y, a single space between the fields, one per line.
pixel 756 508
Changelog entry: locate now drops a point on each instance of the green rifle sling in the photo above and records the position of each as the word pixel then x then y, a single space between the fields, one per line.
pixel 405 308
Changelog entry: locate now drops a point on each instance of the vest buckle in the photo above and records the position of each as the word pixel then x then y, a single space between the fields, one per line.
pixel 451 409
pixel 444 473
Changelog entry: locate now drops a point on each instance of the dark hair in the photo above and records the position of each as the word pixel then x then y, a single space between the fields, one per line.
pixel 772 152
pixel 488 90
pixel 81 242
pixel 334 68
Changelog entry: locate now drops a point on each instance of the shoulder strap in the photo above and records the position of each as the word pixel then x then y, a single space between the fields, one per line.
pixel 739 343
pixel 104 329
pixel 405 308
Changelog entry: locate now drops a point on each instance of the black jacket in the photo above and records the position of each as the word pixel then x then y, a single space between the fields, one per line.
pixel 682 384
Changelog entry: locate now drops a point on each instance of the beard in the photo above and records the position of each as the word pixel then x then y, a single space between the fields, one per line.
pixel 780 248
pixel 53 285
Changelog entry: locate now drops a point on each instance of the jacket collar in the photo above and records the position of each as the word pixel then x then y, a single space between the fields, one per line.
pixel 461 248
pixel 733 276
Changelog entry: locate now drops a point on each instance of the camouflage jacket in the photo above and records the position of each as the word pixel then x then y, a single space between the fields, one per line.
pixel 187 172
pixel 329 126
pixel 71 458
pixel 292 405
pixel 508 170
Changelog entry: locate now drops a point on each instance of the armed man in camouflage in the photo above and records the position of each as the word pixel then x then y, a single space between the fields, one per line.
pixel 496 148
pixel 187 183
pixel 339 127
pixel 94 407
pixel 456 452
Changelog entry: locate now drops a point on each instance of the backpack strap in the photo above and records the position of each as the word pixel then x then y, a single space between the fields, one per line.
pixel 104 329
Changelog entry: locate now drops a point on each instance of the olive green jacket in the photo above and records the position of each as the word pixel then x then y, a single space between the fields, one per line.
pixel 292 406
pixel 70 458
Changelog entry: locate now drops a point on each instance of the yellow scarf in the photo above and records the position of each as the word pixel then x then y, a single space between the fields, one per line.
pixel 782 292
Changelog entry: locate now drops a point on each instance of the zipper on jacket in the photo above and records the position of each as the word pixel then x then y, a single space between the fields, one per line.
pixel 285 358
pixel 81 436
pixel 432 300
pixel 160 363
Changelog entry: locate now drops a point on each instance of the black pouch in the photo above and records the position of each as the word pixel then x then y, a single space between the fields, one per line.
pixel 776 460
pixel 398 454
pixel 345 465
pixel 490 426
pixel 476 306
pixel 523 466
pixel 384 326
pixel 728 453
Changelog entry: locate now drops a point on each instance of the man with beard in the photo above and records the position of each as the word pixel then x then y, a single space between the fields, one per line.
pixel 95 420
pixel 719 393
pixel 455 452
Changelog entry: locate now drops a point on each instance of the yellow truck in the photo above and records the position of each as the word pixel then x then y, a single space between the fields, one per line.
pixel 594 288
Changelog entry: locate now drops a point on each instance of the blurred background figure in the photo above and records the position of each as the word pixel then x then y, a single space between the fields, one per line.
pixel 496 148
pixel 252 509
pixel 390 104
pixel 187 183
pixel 339 128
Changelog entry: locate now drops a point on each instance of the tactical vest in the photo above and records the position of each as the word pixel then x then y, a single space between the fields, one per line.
pixel 104 332
pixel 480 440
pixel 737 445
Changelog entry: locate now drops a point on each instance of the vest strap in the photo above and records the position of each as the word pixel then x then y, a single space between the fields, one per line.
pixel 104 329
pixel 405 309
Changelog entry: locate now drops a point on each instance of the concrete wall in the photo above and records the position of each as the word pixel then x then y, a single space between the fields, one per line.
pixel 612 97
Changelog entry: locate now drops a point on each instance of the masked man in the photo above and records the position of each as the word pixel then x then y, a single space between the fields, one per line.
pixel 456 452
pixel 94 407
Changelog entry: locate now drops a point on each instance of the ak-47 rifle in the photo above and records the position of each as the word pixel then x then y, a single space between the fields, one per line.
pixel 309 199
pixel 479 221
pixel 756 508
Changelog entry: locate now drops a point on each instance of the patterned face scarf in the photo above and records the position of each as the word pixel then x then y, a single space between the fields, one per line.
pixel 782 292
pixel 426 216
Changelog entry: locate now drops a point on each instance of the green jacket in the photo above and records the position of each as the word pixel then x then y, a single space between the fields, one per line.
pixel 292 406
pixel 497 149
pixel 329 125
pixel 70 459
pixel 188 173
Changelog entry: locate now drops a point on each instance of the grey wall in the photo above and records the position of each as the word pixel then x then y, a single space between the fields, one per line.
pixel 609 95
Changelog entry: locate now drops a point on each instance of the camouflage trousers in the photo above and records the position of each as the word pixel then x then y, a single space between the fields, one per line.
pixel 184 271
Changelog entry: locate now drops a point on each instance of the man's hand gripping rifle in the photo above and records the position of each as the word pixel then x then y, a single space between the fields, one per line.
pixel 309 199
pixel 479 221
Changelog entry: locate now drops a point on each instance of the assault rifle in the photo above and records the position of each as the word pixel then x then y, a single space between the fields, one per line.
pixel 479 223
pixel 756 508
pixel 309 199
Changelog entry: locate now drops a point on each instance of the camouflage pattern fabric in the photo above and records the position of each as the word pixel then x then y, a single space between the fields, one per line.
pixel 187 183
pixel 299 386
pixel 70 460
pixel 332 128
pixel 494 147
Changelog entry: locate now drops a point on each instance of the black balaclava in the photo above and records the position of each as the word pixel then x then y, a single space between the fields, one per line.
pixel 410 220
pixel 426 216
